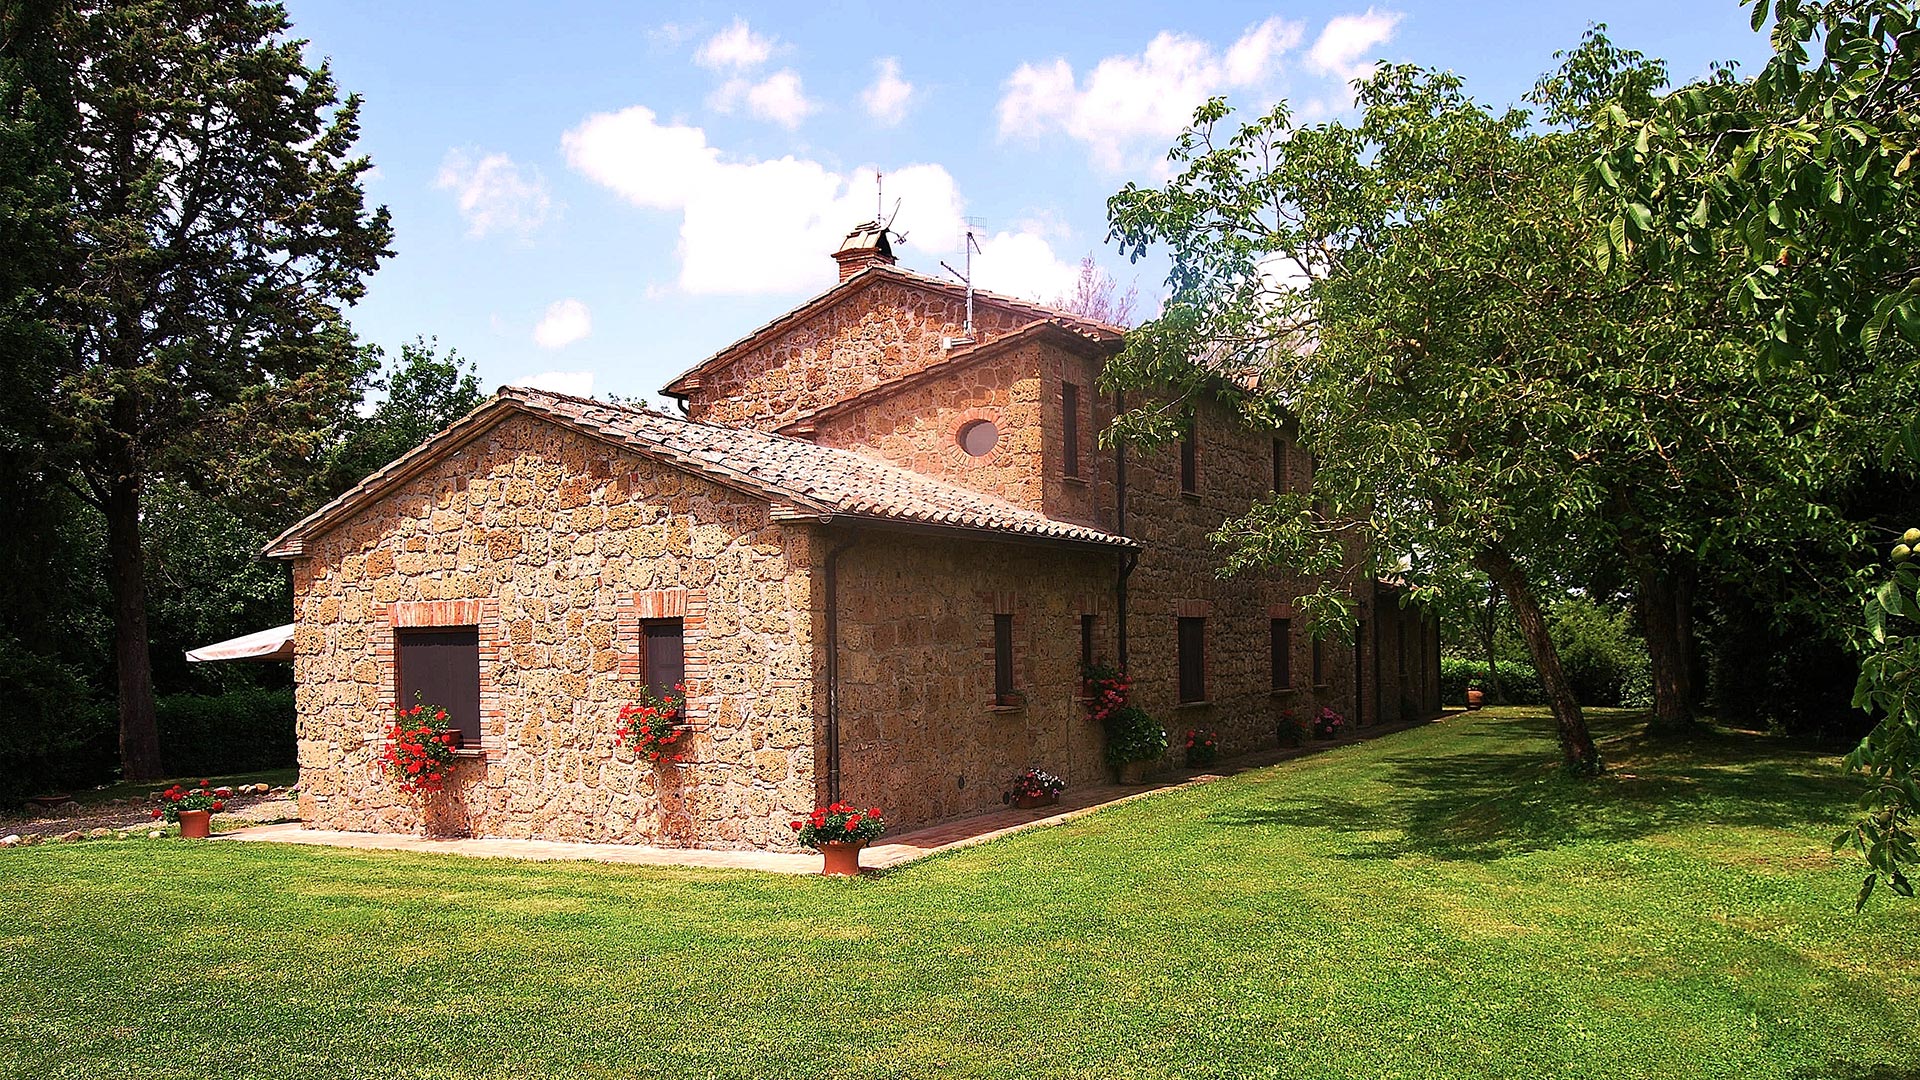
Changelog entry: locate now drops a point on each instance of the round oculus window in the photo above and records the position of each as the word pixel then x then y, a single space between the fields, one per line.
pixel 979 437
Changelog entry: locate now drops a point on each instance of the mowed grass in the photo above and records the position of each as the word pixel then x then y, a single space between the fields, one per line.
pixel 1438 903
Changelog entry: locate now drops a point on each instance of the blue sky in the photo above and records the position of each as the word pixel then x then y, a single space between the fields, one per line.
pixel 595 196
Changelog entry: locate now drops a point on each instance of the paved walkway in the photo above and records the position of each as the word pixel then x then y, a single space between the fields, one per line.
pixel 896 851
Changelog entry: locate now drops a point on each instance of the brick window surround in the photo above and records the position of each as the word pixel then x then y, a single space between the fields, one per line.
pixel 687 605
pixel 484 617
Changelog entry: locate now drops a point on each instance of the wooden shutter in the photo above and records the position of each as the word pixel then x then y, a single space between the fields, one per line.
pixel 1193 659
pixel 1003 659
pixel 663 655
pixel 1086 642
pixel 1070 428
pixel 441 666
pixel 1281 633
pixel 1189 466
pixel 1320 663
pixel 1280 483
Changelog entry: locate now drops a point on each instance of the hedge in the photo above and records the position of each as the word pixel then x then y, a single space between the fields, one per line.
pixel 1520 682
pixel 237 731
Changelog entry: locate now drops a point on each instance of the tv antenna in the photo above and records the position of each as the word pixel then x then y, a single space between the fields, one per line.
pixel 972 246
pixel 881 219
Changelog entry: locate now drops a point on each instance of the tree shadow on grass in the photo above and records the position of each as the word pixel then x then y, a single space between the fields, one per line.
pixel 1485 800
pixel 1853 1070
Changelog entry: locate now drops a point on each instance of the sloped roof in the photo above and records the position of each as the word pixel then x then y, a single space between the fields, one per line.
pixel 1093 329
pixel 957 360
pixel 803 481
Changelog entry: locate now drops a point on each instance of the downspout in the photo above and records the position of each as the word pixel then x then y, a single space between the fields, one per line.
pixel 1120 527
pixel 830 575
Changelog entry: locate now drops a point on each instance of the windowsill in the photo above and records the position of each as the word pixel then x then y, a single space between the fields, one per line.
pixel 1194 705
pixel 997 707
pixel 471 752
pixel 1194 495
pixel 1074 478
pixel 1283 691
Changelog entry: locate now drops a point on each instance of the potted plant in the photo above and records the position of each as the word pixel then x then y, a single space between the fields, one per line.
pixel 1329 724
pixel 1035 787
pixel 1293 731
pixel 654 728
pixel 839 833
pixel 1135 741
pixel 1203 746
pixel 1476 697
pixel 419 752
pixel 192 808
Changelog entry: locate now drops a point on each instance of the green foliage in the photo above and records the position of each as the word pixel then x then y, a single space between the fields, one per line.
pixel 421 393
pixel 1605 658
pixel 1132 735
pixel 1889 756
pixel 237 731
pixel 52 735
pixel 1519 680
pixel 1495 921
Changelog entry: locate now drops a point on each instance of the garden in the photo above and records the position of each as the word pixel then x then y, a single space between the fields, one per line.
pixel 1437 903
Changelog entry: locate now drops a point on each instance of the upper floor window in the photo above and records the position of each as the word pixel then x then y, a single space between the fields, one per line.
pixel 1070 428
pixel 1193 659
pixel 979 437
pixel 1003 691
pixel 1189 465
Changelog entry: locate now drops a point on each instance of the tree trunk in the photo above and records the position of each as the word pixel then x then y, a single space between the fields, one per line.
pixel 1576 744
pixel 1663 604
pixel 1496 693
pixel 126 577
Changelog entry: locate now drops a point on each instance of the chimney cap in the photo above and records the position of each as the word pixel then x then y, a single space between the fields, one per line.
pixel 868 244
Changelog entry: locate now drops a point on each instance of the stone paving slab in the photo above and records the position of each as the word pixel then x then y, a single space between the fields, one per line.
pixel 897 851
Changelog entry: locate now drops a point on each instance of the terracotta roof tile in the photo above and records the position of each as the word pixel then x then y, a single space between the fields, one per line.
pixel 815 481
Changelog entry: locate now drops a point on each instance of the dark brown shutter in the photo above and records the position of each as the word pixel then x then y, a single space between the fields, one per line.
pixel 1280 465
pixel 663 655
pixel 1086 642
pixel 1193 659
pixel 1003 659
pixel 1070 428
pixel 1189 466
pixel 441 666
pixel 1281 633
pixel 1319 663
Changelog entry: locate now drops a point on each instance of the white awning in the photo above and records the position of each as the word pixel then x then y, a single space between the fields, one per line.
pixel 274 644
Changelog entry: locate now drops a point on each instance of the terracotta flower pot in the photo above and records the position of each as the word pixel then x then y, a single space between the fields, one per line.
pixel 1028 802
pixel 842 857
pixel 1135 772
pixel 1476 698
pixel 196 824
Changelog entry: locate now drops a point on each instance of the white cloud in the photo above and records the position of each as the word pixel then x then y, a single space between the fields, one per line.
pixel 778 98
pixel 565 322
pixel 1345 47
pixel 577 383
pixel 493 193
pixel 887 99
pixel 736 48
pixel 749 227
pixel 1148 96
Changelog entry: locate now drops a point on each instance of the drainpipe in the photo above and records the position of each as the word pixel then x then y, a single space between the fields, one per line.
pixel 831 584
pixel 1120 526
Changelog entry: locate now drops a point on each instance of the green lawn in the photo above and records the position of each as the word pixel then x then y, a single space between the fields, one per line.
pixel 1434 904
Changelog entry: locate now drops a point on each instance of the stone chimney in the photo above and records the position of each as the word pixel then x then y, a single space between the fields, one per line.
pixel 867 245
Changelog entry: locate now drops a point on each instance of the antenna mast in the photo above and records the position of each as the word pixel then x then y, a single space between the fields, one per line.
pixel 966 279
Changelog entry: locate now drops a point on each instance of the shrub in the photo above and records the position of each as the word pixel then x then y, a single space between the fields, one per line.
pixel 238 731
pixel 1520 681
pixel 1203 746
pixel 1329 724
pixel 1603 656
pixel 52 735
pixel 1132 735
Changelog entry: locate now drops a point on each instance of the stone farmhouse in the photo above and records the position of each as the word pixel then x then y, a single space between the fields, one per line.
pixel 878 550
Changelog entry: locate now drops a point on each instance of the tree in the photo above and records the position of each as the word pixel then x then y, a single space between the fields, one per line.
pixel 1096 295
pixel 206 223
pixel 424 392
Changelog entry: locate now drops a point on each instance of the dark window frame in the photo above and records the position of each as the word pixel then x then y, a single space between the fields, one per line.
pixel 1319 661
pixel 1189 464
pixel 1070 429
pixel 1282 483
pixel 1280 643
pixel 1087 624
pixel 1191 652
pixel 1004 692
pixel 461 702
pixel 673 662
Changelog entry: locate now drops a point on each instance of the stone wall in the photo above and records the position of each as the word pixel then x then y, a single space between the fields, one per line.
pixel 921 734
pixel 555 545
pixel 877 332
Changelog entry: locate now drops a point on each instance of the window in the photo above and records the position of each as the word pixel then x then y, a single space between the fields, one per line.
pixel 1319 662
pixel 663 655
pixel 1003 692
pixel 1070 428
pixel 1086 642
pixel 1189 466
pixel 979 437
pixel 441 666
pixel 1193 660
pixel 1280 483
pixel 1280 633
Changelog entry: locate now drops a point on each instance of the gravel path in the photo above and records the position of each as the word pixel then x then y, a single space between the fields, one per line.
pixel 92 819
